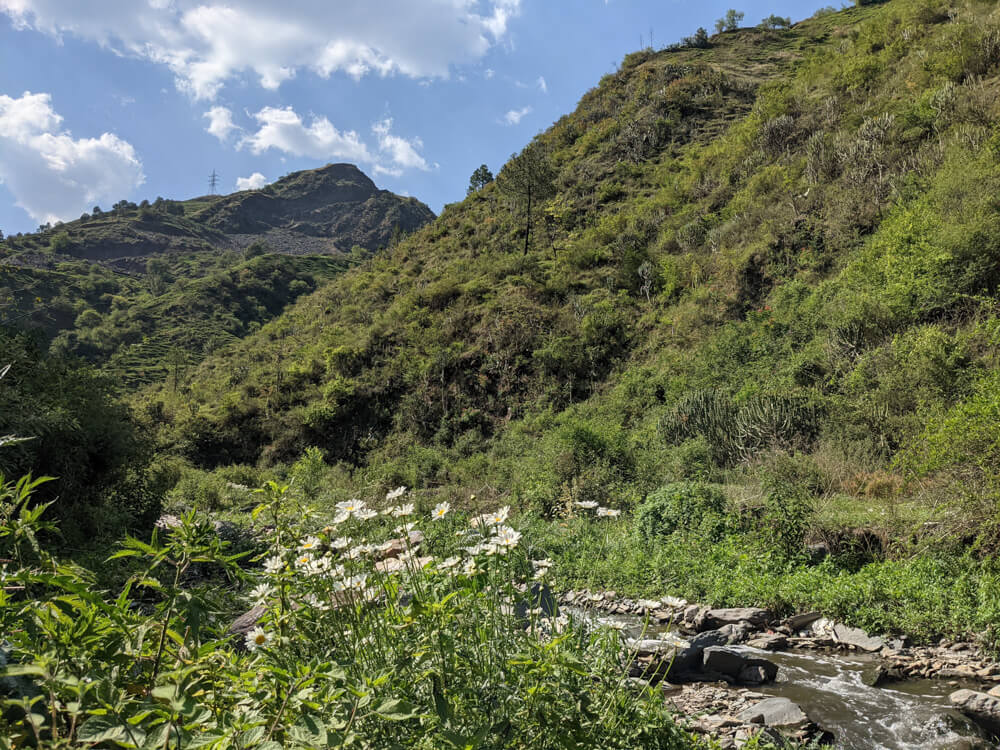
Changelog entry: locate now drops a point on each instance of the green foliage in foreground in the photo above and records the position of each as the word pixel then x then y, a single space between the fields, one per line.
pixel 430 654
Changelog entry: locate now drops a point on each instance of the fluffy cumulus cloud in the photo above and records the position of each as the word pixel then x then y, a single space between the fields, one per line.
pixel 285 130
pixel 207 42
pixel 254 182
pixel 52 175
pixel 220 122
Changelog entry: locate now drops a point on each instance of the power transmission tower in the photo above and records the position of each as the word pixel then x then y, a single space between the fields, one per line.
pixel 213 181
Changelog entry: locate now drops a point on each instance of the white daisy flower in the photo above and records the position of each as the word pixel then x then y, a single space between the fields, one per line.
pixel 396 493
pixel 341 516
pixel 506 538
pixel 402 511
pixel 470 568
pixel 350 506
pixel 341 542
pixel 541 564
pixel 540 574
pixel 261 593
pixel 258 638
pixel 451 562
pixel 309 543
pixel 406 528
pixel 440 511
pixel 608 513
pixel 303 561
pixel 365 513
pixel 586 504
pixel 498 517
pixel 274 564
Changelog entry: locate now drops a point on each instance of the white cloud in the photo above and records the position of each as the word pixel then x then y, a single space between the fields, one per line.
pixel 542 85
pixel 207 42
pixel 254 182
pixel 53 176
pixel 401 152
pixel 286 131
pixel 489 73
pixel 220 122
pixel 514 116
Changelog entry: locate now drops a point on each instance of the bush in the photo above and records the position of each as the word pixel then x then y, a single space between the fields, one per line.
pixel 80 433
pixel 682 506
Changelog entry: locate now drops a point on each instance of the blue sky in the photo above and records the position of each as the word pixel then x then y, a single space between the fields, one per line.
pixel 139 98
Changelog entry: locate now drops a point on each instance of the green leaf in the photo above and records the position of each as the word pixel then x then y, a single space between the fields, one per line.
pixel 395 709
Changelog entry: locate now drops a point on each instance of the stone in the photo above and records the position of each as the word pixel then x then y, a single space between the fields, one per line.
pixel 780 713
pixel 875 675
pixel 857 637
pixel 994 691
pixel 982 708
pixel 538 597
pixel 769 642
pixel 245 623
pixel 716 618
pixel 817 552
pixel 724 660
pixel 672 657
pixel 801 621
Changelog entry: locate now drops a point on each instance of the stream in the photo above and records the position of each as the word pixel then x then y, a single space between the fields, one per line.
pixel 909 715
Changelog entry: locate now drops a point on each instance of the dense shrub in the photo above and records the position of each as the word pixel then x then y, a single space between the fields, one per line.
pixel 682 506
pixel 80 434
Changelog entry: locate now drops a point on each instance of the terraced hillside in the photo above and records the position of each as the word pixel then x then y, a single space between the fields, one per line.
pixel 148 290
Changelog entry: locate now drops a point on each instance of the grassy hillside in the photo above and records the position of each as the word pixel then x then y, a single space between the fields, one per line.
pixel 769 264
pixel 782 241
pixel 145 291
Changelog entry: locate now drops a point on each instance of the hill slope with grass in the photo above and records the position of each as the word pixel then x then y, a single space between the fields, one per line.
pixel 784 240
pixel 768 263
pixel 146 290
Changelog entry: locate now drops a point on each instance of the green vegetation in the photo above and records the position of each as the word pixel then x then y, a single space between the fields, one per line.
pixel 146 291
pixel 75 430
pixel 776 245
pixel 743 301
pixel 413 651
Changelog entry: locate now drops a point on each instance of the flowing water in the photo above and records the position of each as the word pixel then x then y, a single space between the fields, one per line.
pixel 909 715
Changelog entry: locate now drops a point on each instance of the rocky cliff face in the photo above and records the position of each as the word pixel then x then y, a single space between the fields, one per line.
pixel 337 202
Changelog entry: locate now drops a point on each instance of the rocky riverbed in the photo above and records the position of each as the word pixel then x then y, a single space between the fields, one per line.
pixel 872 692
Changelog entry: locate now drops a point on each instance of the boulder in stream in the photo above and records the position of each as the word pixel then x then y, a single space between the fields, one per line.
pixel 982 708
pixel 857 637
pixel 780 713
pixel 717 618
pixel 744 669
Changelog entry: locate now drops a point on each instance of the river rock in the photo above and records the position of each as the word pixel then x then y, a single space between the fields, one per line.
pixel 769 642
pixel 779 713
pixel 982 708
pixel 737 666
pixel 537 597
pixel 801 621
pixel 724 660
pixel 716 618
pixel 857 637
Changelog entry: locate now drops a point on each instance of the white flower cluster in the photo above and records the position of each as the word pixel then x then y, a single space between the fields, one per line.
pixel 602 512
